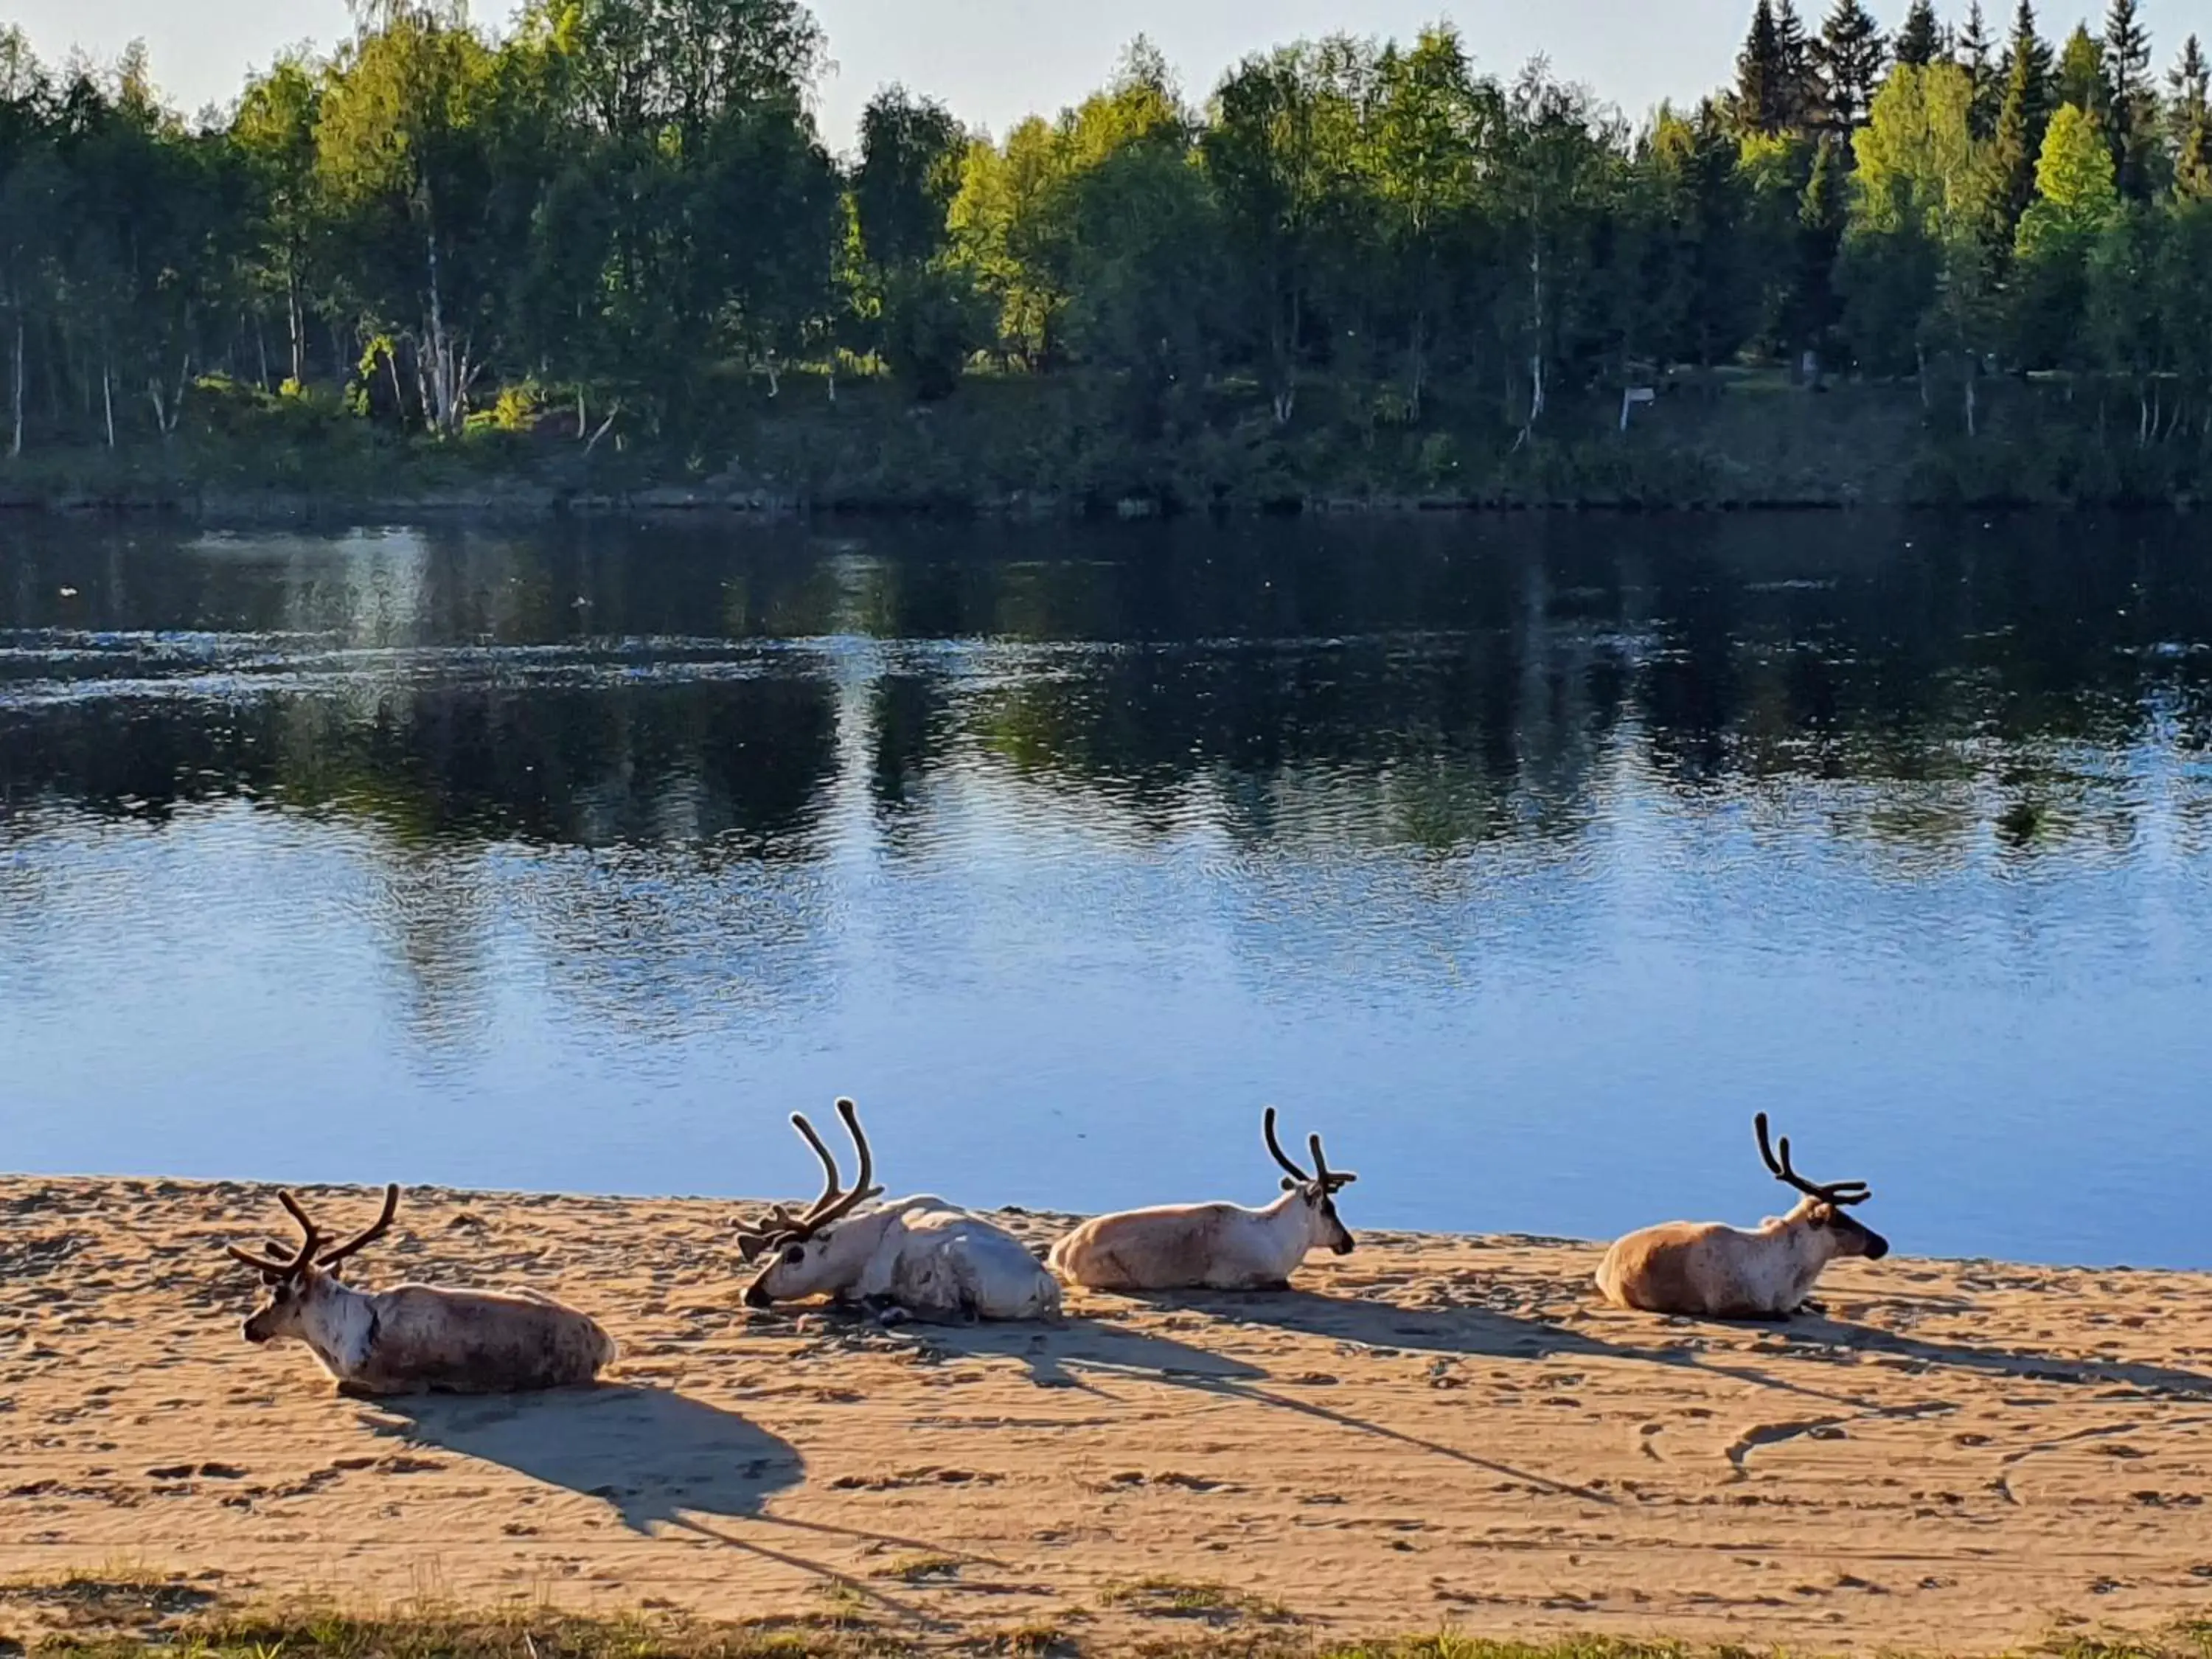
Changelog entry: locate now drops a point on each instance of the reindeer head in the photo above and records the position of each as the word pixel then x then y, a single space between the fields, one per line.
pixel 1824 1207
pixel 799 1251
pixel 298 1283
pixel 1316 1191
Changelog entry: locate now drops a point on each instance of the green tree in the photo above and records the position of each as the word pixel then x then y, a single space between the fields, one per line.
pixel 399 157
pixel 273 134
pixel 1848 59
pixel 2125 316
pixel 1976 53
pixel 1279 153
pixel 912 151
pixel 1920 39
pixel 1148 273
pixel 1776 87
pixel 644 68
pixel 1914 199
pixel 2021 120
pixel 930 311
pixel 2080 77
pixel 1434 121
pixel 2133 120
pixel 1557 172
pixel 1823 214
pixel 2076 201
pixel 2075 192
pixel 2190 122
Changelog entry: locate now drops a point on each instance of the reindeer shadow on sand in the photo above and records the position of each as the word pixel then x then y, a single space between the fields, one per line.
pixel 667 1463
pixel 1090 1353
pixel 2026 1364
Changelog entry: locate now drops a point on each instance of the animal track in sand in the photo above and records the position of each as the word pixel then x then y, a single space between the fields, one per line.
pixel 1774 1434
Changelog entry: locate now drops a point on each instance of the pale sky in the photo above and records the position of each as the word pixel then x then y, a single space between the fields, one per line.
pixel 995 61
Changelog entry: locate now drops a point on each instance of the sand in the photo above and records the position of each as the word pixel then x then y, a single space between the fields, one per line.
pixel 1435 1432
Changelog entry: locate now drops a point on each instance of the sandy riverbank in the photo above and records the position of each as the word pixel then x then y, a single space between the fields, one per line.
pixel 1436 1431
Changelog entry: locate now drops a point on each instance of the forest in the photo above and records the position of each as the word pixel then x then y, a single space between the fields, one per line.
pixel 605 244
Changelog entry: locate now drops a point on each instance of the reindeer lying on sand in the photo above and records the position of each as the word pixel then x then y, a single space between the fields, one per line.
pixel 416 1338
pixel 1724 1272
pixel 921 1256
pixel 1215 1247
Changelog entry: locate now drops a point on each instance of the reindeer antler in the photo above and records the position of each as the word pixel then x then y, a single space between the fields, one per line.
pixel 1841 1193
pixel 1298 1177
pixel 369 1235
pixel 836 1203
pixel 1331 1181
pixel 283 1266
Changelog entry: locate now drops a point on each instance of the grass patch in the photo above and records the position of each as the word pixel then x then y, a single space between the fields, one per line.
pixel 1219 1630
pixel 1038 1639
pixel 921 1568
pixel 1162 1597
pixel 107 1598
pixel 521 1631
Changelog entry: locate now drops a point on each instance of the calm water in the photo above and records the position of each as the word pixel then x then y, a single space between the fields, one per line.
pixel 1527 857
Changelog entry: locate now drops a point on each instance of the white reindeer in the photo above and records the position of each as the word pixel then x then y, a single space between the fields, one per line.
pixel 1719 1272
pixel 922 1257
pixel 1215 1247
pixel 416 1338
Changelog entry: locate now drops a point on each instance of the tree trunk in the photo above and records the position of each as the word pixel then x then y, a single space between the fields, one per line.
pixel 605 425
pixel 441 350
pixel 15 440
pixel 398 389
pixel 1972 429
pixel 107 395
pixel 431 419
pixel 297 322
pixel 1419 366
pixel 1536 355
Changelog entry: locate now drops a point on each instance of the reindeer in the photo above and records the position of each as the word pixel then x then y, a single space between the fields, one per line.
pixel 1214 1247
pixel 416 1338
pixel 918 1257
pixel 1724 1272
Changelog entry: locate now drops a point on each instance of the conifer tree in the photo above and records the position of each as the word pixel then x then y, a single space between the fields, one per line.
pixel 2081 80
pixel 1920 42
pixel 1974 53
pixel 2132 122
pixel 1762 103
pixel 1800 86
pixel 2190 123
pixel 2022 120
pixel 1848 60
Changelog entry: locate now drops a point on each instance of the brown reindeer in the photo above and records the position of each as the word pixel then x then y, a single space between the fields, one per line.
pixel 1724 1272
pixel 415 1338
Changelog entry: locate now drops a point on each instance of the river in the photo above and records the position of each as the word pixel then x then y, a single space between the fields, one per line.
pixel 1525 857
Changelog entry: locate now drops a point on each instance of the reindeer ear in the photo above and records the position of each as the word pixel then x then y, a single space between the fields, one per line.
pixel 749 1245
pixel 1289 1185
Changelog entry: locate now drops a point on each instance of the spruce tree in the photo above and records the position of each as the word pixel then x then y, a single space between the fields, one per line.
pixel 1848 59
pixel 2133 121
pixel 1822 211
pixel 1973 48
pixel 2022 118
pixel 2082 77
pixel 1920 42
pixel 1800 88
pixel 2190 122
pixel 1761 93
